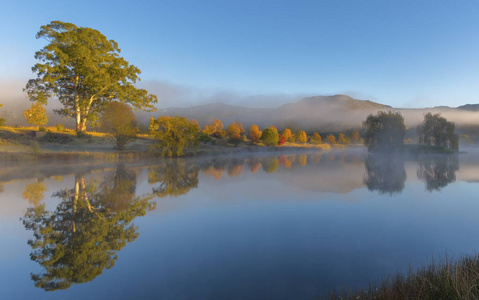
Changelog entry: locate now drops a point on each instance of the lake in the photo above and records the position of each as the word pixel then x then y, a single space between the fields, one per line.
pixel 283 226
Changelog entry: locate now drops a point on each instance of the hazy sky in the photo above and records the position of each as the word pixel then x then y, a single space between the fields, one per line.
pixel 400 53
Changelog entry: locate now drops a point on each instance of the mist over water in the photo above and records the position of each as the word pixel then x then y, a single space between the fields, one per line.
pixel 264 226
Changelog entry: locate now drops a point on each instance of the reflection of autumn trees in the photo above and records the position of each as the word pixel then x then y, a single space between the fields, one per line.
pixel 270 164
pixel 303 159
pixel 438 171
pixel 174 177
pixel 385 174
pixel 82 236
pixel 34 192
pixel 254 165
pixel 235 168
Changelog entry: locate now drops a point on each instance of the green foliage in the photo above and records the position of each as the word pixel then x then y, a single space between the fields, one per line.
pixel 36 114
pixel 80 238
pixel 384 131
pixel 118 121
pixel 205 137
pixel 174 134
pixel 436 130
pixel 270 164
pixel 2 122
pixel 270 136
pixel 83 69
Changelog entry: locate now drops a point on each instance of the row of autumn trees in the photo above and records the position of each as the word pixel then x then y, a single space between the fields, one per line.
pixel 174 134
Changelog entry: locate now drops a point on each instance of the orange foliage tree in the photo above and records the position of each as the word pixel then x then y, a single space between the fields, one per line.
pixel 214 127
pixel 255 133
pixel 288 135
pixel 235 132
pixel 316 139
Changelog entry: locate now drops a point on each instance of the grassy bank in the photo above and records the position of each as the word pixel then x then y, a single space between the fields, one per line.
pixel 449 279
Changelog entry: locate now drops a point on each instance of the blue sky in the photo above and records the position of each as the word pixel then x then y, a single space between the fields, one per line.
pixel 263 53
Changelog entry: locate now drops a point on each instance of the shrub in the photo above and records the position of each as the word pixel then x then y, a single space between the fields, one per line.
pixel 270 136
pixel 2 122
pixel 60 127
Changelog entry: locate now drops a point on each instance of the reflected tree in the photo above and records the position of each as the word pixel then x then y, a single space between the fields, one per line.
pixel 82 236
pixel 34 192
pixel 385 174
pixel 174 178
pixel 270 164
pixel 254 165
pixel 438 171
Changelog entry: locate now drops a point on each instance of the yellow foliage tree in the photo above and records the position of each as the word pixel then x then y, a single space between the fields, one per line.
pixel 302 137
pixel 288 135
pixel 216 126
pixel 343 139
pixel 331 139
pixel 36 114
pixel 316 139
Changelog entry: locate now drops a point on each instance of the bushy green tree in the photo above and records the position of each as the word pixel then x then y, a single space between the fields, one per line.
pixel 384 131
pixel 84 71
pixel 119 122
pixel 436 130
pixel 270 136
pixel 174 134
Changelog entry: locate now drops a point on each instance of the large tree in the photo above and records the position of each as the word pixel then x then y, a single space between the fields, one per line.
pixel 436 130
pixel 384 131
pixel 84 70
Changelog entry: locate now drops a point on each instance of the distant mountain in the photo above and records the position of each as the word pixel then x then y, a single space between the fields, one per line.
pixel 469 107
pixel 320 113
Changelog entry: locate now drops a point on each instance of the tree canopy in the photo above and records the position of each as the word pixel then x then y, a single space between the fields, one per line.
pixel 119 122
pixel 385 130
pixel 270 136
pixel 84 70
pixel 436 130
pixel 174 134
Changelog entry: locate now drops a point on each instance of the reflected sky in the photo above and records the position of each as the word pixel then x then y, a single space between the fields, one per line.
pixel 266 226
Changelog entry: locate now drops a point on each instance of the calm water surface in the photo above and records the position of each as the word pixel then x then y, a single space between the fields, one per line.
pixel 290 226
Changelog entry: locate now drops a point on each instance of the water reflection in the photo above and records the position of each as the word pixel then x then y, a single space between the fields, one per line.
pixel 438 171
pixel 82 236
pixel 34 192
pixel 174 177
pixel 385 174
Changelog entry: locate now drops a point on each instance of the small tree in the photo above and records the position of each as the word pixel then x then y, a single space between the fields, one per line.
pixel 255 133
pixel 301 137
pixel 331 139
pixel 343 139
pixel 281 140
pixel 118 121
pixel 316 139
pixel 355 137
pixel 235 132
pixel 288 135
pixel 270 136
pixel 36 114
pixel 436 130
pixel 174 134
pixel 2 120
pixel 384 130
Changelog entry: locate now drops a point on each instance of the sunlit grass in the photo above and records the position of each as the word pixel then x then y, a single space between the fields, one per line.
pixel 448 279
